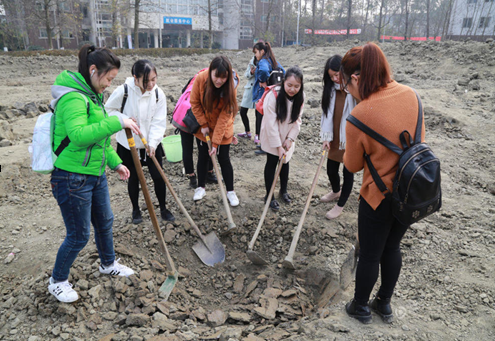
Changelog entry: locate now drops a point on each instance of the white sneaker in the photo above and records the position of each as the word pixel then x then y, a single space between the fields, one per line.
pixel 199 193
pixel 234 201
pixel 117 269
pixel 330 196
pixel 63 291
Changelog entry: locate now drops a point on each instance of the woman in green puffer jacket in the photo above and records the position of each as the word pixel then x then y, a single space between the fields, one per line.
pixel 79 184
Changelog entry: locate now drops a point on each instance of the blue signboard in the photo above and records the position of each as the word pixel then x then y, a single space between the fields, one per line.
pixel 177 20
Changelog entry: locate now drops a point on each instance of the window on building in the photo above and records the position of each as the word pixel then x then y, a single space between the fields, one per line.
pixel 472 1
pixel 43 33
pixel 66 34
pixel 467 22
pixel 484 22
pixel 220 3
pixel 85 12
pixel 263 18
pixel 64 6
pixel 489 0
pixel 220 18
pixel 40 6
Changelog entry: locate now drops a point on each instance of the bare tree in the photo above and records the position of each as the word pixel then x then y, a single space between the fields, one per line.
pixel 349 14
pixel 407 18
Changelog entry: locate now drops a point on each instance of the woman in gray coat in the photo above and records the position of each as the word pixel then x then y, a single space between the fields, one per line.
pixel 247 98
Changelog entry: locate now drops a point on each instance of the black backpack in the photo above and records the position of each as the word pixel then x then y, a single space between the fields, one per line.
pixel 276 76
pixel 416 193
pixel 126 94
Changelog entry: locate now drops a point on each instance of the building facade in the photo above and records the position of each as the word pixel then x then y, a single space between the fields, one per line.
pixel 472 19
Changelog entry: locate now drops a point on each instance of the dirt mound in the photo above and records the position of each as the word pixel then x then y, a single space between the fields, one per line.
pixel 446 288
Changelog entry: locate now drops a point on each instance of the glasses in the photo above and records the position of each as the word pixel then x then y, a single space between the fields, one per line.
pixel 348 81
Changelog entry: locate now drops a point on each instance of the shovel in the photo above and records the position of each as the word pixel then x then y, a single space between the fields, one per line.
pixel 172 273
pixel 288 262
pixel 210 250
pixel 252 255
pixel 348 269
pixel 232 227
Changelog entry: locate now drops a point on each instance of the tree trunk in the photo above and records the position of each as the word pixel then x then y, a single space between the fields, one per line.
pixel 210 31
pixel 407 18
pixel 427 19
pixel 313 36
pixel 363 32
pixel 47 24
pixel 136 23
pixel 349 14
pixel 380 19
pixel 322 11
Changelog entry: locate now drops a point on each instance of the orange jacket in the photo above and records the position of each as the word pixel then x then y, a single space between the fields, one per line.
pixel 389 112
pixel 220 122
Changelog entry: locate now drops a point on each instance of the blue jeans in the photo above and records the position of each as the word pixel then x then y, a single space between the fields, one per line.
pixel 83 199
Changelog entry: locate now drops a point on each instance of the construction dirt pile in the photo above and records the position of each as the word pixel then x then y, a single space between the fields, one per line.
pixel 446 290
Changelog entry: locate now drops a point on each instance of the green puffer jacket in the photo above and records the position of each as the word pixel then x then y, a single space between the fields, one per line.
pixel 80 114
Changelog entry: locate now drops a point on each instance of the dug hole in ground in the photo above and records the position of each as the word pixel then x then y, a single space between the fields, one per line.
pixel 446 288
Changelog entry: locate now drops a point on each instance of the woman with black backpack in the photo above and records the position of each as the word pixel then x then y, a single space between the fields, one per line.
pixel 389 108
pixel 265 68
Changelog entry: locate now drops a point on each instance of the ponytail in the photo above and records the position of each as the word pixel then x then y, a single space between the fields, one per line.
pixel 372 65
pixel 265 46
pixel 104 60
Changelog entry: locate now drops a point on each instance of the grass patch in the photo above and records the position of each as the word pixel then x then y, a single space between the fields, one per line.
pixel 161 53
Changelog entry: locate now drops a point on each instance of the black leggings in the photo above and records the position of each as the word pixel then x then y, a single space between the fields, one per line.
pixel 259 118
pixel 187 141
pixel 333 176
pixel 245 119
pixel 271 169
pixel 379 237
pixel 223 159
pixel 133 183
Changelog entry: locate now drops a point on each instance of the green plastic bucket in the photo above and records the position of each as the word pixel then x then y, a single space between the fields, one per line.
pixel 173 148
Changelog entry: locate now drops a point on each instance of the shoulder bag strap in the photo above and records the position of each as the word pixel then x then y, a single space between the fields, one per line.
pixel 419 125
pixel 65 142
pixel 124 99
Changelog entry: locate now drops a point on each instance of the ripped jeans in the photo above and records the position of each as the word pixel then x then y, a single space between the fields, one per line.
pixel 83 200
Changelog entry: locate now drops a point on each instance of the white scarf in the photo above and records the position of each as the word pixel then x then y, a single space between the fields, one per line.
pixel 326 133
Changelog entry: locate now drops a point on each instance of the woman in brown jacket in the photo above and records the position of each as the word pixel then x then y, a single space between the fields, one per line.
pixel 388 108
pixel 214 104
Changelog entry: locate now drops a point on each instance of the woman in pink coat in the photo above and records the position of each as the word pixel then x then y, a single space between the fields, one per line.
pixel 282 108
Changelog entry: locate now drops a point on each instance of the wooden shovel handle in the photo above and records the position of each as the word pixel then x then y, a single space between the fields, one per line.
pixel 171 189
pixel 267 204
pixel 222 189
pixel 295 239
pixel 149 203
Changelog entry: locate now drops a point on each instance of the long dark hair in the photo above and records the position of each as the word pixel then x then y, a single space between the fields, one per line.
pixel 333 63
pixel 297 100
pixel 104 60
pixel 223 68
pixel 261 46
pixel 143 68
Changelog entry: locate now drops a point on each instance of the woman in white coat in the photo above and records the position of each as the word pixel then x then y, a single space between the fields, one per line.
pixel 247 98
pixel 282 108
pixel 147 106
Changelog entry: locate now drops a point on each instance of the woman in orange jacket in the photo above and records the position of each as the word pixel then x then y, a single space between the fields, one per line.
pixel 214 104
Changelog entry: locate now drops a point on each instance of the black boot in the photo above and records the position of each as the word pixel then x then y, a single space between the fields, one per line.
pixel 360 312
pixel 211 178
pixel 193 181
pixel 382 307
pixel 136 217
pixel 167 215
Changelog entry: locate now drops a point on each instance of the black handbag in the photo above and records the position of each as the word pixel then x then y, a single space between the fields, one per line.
pixel 191 122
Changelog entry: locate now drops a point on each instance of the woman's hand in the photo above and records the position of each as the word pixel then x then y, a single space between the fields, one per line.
pixel 213 151
pixel 263 85
pixel 123 172
pixel 205 131
pixel 151 151
pixel 281 152
pixel 131 124
pixel 326 145
pixel 287 144
pixel 235 140
pixel 252 70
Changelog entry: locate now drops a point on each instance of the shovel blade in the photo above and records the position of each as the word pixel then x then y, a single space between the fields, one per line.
pixel 348 268
pixel 255 258
pixel 169 285
pixel 288 263
pixel 211 253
